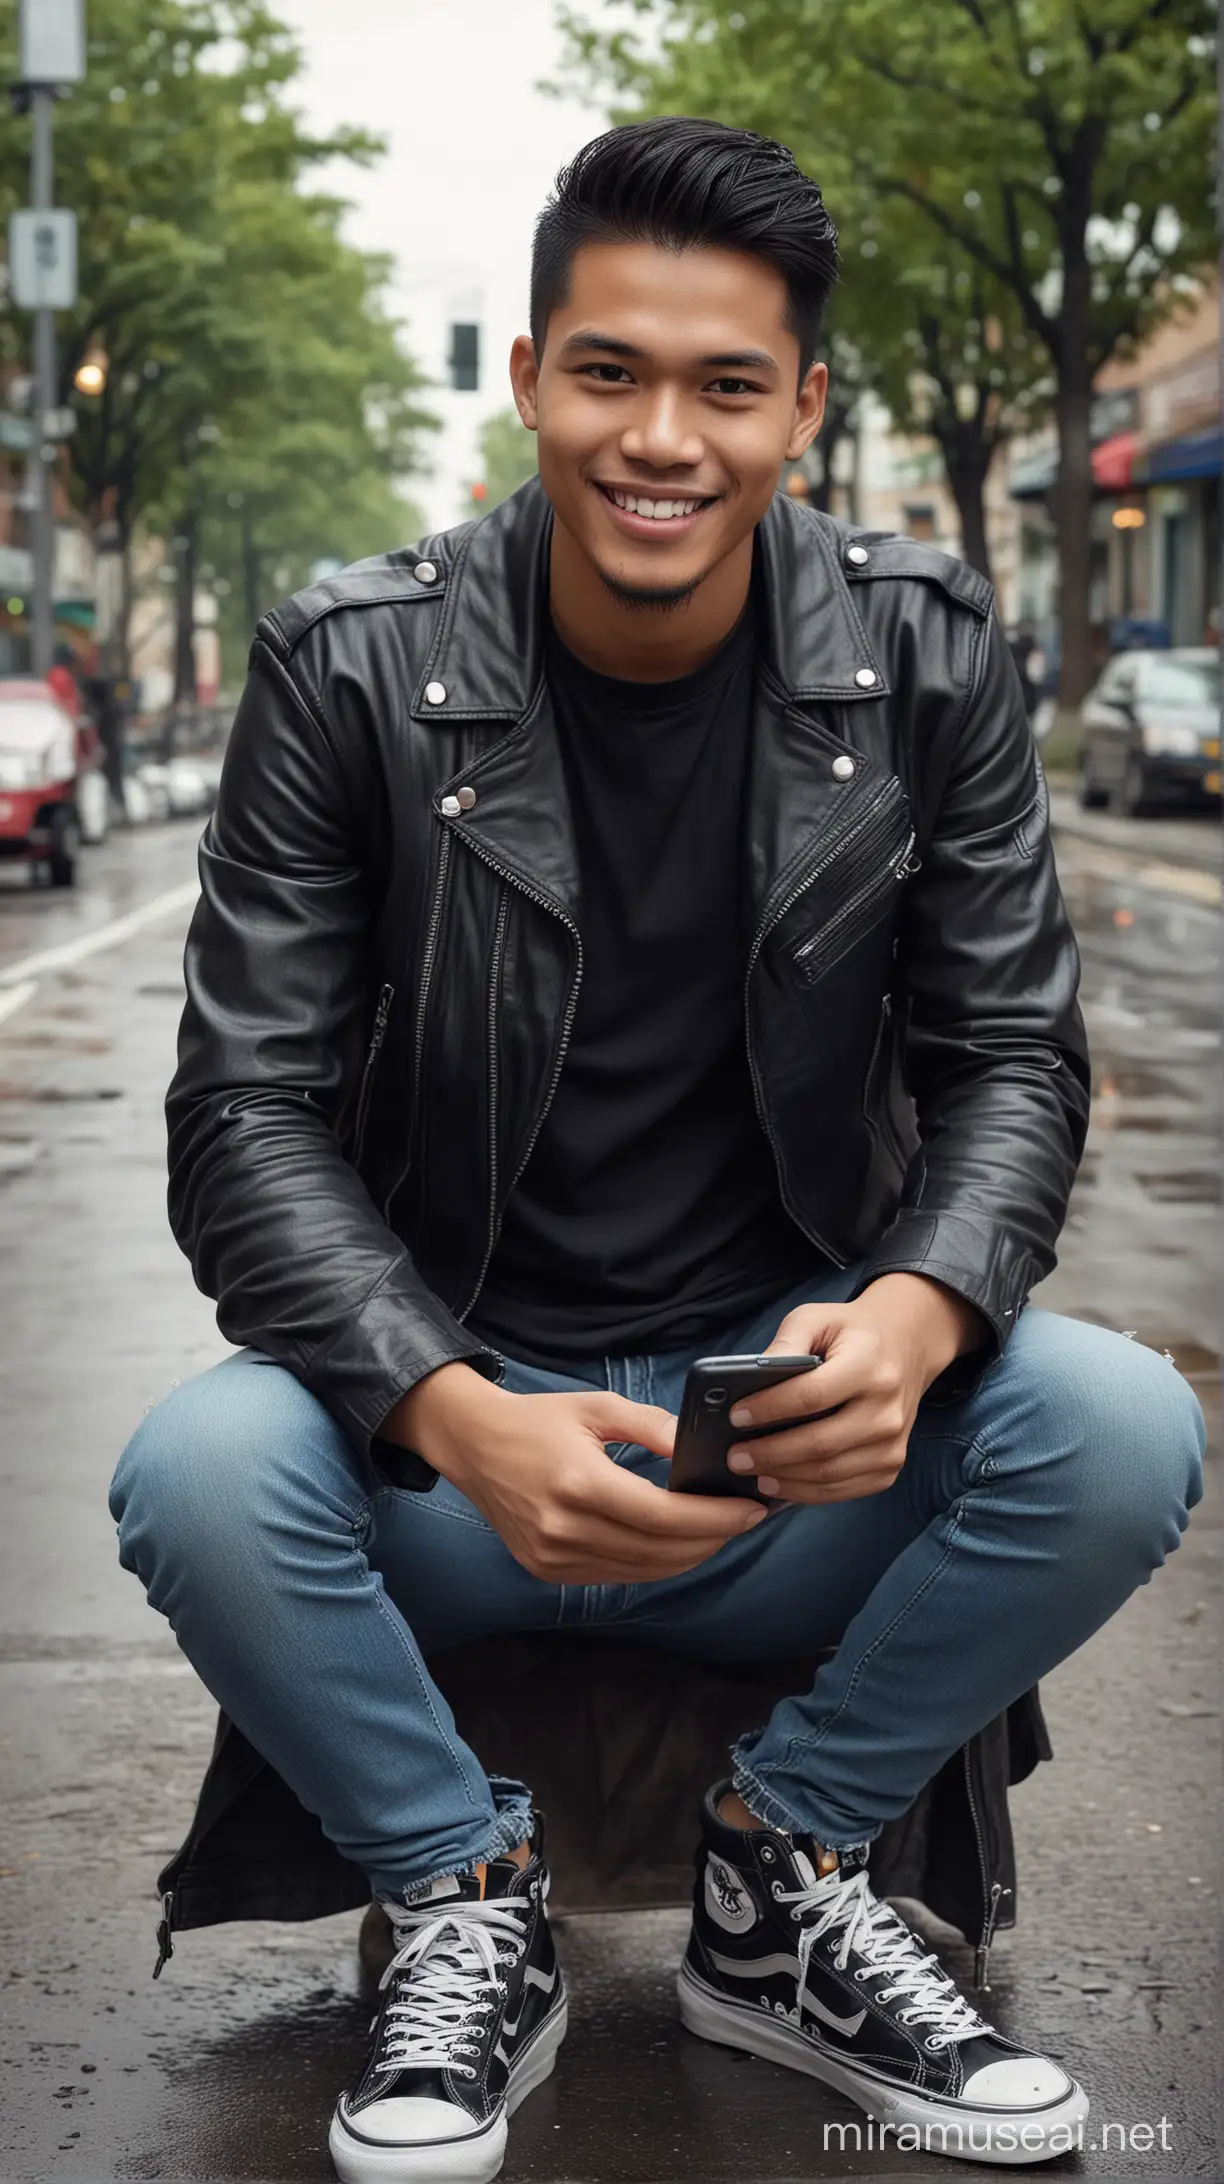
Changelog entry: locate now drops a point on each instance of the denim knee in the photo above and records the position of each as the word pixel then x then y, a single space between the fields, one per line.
pixel 220 1464
pixel 1134 1433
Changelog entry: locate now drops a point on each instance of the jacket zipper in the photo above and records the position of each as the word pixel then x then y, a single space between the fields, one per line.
pixel 545 902
pixel 427 966
pixel 883 1130
pixel 841 842
pixel 992 1891
pixel 499 946
pixel 898 868
pixel 386 996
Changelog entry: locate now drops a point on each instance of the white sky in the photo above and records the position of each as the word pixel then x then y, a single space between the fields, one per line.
pixel 473 148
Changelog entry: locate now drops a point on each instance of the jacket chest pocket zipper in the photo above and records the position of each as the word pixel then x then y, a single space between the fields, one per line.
pixel 855 917
pixel 386 996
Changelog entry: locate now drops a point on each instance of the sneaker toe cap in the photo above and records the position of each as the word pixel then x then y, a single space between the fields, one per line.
pixel 410 2122
pixel 1017 2081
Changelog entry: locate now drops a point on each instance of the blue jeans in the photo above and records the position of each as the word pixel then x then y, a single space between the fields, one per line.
pixel 309 1594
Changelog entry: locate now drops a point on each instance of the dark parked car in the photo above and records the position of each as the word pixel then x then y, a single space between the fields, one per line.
pixel 1151 732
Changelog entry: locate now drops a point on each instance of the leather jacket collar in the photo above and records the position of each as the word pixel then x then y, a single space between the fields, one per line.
pixel 488 650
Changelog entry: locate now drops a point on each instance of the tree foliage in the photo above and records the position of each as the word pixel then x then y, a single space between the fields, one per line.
pixel 250 350
pixel 1059 155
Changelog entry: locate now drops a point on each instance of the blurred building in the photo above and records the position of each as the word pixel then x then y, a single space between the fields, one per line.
pixel 1156 465
pixel 75 559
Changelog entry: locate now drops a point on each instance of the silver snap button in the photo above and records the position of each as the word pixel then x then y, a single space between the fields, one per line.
pixel 466 799
pixel 858 555
pixel 843 769
pixel 865 677
pixel 426 572
pixel 435 693
pixel 451 807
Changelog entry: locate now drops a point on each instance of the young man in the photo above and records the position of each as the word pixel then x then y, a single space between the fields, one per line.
pixel 629 931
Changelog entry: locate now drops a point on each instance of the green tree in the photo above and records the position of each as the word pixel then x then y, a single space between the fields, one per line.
pixel 300 458
pixel 507 455
pixel 1064 151
pixel 214 278
pixel 943 347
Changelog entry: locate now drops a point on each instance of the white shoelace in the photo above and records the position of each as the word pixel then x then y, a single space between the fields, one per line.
pixel 888 1948
pixel 453 1959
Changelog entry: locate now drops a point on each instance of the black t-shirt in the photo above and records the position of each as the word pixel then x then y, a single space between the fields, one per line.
pixel 649 1209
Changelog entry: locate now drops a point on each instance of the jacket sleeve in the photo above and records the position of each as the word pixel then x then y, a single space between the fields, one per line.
pixel 996 1056
pixel 278 1227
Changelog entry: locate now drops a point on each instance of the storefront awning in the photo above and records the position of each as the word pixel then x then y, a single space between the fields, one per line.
pixel 1113 462
pixel 1198 455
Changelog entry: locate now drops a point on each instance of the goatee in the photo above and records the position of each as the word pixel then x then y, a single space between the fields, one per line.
pixel 659 598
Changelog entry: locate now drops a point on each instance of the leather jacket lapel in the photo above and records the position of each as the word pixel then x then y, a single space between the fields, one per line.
pixel 521 820
pixel 797 802
pixel 487 660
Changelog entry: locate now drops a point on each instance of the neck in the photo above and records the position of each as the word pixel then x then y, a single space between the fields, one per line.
pixel 643 643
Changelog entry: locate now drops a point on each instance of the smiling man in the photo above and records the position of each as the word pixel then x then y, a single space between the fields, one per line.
pixel 629 932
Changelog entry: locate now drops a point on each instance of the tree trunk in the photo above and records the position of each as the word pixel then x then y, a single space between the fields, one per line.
pixel 967 484
pixel 127 602
pixel 187 556
pixel 1072 496
pixel 1073 516
pixel 832 432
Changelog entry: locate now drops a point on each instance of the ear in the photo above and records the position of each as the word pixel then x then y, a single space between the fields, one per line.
pixel 809 411
pixel 525 380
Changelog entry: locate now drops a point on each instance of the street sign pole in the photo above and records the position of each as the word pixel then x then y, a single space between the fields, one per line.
pixel 42 450
pixel 42 272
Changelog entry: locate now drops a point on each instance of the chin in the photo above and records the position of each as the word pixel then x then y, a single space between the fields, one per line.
pixel 657 588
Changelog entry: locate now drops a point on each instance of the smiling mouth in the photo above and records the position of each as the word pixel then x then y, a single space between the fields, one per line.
pixel 655 508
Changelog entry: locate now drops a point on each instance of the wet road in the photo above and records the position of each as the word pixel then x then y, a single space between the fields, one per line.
pixel 229 2066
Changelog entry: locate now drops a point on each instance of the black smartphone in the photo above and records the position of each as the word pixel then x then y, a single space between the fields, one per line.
pixel 705 1433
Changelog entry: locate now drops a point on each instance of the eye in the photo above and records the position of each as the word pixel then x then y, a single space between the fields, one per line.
pixel 732 386
pixel 606 375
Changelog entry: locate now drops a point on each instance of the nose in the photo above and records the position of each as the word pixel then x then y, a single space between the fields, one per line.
pixel 659 433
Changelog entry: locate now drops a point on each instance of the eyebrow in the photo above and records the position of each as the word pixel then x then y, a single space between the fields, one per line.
pixel 737 359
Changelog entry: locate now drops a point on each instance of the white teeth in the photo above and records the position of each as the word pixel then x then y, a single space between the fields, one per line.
pixel 658 510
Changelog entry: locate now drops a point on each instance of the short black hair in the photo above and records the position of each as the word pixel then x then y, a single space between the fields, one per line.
pixel 684 184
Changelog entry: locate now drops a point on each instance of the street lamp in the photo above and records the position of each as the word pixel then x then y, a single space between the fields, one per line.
pixel 90 374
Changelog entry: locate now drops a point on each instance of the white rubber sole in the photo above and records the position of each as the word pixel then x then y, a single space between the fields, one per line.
pixel 474 2158
pixel 946 2127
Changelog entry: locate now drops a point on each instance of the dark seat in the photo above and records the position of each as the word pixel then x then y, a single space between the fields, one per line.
pixel 619 1742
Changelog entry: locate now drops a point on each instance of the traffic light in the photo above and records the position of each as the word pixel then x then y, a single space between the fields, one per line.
pixel 464 358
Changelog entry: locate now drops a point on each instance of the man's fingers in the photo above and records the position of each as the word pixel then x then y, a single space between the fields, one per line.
pixel 855 1429
pixel 652 1513
pixel 644 1425
pixel 844 1375
pixel 587 1545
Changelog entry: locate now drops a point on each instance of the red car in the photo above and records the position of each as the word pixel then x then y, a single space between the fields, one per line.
pixel 43 754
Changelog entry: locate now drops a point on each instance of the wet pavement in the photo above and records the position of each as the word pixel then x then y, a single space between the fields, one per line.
pixel 229 2066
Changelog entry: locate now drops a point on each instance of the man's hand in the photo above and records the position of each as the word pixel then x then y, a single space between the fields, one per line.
pixel 536 1467
pixel 881 1354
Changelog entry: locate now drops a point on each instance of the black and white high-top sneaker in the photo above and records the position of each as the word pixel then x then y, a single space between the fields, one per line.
pixel 472 2014
pixel 818 1973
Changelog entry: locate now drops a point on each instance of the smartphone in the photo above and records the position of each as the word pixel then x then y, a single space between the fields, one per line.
pixel 705 1432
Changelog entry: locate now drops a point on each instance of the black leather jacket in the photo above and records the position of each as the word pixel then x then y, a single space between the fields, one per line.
pixel 383 969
